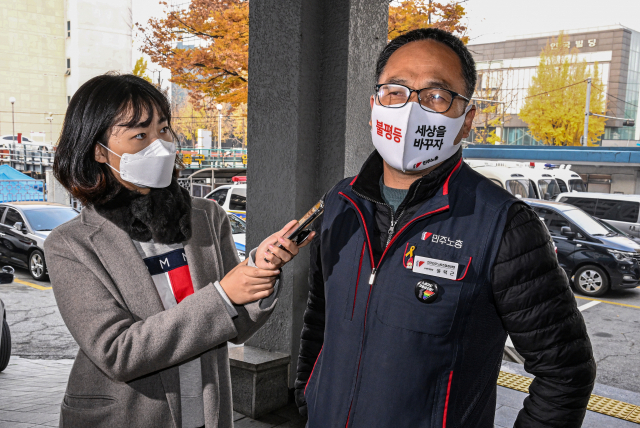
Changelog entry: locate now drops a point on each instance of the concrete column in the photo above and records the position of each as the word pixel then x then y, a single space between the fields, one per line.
pixel 311 68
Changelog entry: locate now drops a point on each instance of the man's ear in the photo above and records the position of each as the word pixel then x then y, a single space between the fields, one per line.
pixel 371 101
pixel 468 122
pixel 100 154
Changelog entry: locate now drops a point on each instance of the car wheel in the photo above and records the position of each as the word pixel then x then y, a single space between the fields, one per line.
pixel 591 281
pixel 37 266
pixel 5 345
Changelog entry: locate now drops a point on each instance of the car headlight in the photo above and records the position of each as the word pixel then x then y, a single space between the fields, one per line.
pixel 241 255
pixel 622 256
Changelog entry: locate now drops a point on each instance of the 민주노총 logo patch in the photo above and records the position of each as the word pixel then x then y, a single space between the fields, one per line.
pixel 426 291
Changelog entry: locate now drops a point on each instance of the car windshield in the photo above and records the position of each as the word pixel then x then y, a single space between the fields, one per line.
pixel 613 230
pixel 548 186
pixel 45 219
pixel 587 223
pixel 577 185
pixel 562 184
pixel 522 187
pixel 237 225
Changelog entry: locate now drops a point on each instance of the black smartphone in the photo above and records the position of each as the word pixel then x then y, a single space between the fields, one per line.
pixel 302 232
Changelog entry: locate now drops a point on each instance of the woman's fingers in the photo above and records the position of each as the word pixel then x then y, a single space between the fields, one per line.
pixel 288 228
pixel 264 294
pixel 281 253
pixel 261 273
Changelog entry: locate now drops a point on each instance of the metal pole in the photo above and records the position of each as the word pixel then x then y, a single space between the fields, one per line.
pixel 13 123
pixel 585 137
pixel 429 11
pixel 219 132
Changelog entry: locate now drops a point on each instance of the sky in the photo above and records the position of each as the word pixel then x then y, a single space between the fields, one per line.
pixel 489 20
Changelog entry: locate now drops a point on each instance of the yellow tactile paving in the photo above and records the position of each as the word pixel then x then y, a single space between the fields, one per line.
pixel 604 405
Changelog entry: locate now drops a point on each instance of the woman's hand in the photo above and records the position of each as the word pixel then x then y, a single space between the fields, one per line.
pixel 245 284
pixel 270 256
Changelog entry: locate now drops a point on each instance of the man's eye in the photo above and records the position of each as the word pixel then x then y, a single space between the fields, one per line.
pixel 140 136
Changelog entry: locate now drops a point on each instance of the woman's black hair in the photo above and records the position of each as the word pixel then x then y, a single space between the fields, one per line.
pixel 92 113
pixel 467 63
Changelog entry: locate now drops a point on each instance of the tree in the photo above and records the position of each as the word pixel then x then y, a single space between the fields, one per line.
pixel 140 69
pixel 554 108
pixel 409 15
pixel 205 47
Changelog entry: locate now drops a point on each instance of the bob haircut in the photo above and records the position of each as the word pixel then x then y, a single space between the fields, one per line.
pixel 93 111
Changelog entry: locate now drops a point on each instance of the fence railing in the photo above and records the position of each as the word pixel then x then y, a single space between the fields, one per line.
pixel 214 158
pixel 27 156
pixel 22 190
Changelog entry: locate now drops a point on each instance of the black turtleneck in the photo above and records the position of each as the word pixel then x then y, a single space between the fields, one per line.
pixel 163 215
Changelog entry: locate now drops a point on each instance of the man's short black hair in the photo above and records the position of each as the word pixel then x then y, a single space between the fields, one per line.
pixel 466 60
pixel 94 110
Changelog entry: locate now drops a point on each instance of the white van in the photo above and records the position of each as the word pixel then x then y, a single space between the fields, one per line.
pixel 510 179
pixel 233 198
pixel 569 181
pixel 546 185
pixel 622 211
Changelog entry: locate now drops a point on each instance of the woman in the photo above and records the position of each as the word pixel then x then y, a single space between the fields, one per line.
pixel 147 278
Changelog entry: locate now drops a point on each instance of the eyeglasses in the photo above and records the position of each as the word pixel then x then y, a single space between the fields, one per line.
pixel 435 100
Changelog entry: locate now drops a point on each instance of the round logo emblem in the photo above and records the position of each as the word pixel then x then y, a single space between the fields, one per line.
pixel 427 291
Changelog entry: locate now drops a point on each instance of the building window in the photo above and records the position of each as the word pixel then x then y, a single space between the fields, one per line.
pixel 68 28
pixel 68 99
pixel 68 63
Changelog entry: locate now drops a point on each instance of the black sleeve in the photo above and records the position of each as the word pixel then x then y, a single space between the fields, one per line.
pixel 538 309
pixel 312 337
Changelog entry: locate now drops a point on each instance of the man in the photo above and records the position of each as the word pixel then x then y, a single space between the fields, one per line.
pixel 422 266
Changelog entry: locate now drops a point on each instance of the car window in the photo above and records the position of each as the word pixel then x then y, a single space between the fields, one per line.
pixel 520 187
pixel 585 204
pixel 577 185
pixel 12 218
pixel 2 210
pixel 586 222
pixel 237 225
pixel 610 209
pixel 553 220
pixel 238 201
pixel 220 196
pixel 562 185
pixel 548 186
pixel 49 218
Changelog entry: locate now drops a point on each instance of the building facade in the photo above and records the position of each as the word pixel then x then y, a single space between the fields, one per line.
pixel 49 49
pixel 511 64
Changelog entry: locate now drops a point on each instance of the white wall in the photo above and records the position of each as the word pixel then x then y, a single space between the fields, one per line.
pixel 101 39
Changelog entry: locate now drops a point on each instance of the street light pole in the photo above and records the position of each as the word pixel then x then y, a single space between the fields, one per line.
pixel 219 107
pixel 12 100
pixel 585 137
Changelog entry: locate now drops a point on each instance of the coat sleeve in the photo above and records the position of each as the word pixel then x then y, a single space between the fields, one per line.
pixel 253 315
pixel 312 337
pixel 538 310
pixel 123 347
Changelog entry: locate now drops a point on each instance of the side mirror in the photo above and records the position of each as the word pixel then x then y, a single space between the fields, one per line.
pixel 566 231
pixel 18 226
pixel 547 197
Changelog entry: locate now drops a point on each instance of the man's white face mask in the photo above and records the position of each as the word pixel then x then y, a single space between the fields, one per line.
pixel 150 167
pixel 411 139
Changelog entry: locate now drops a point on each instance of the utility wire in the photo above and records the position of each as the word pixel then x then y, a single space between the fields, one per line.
pixel 608 94
pixel 557 89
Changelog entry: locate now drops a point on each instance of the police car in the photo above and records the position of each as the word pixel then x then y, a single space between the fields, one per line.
pixel 233 198
pixel 239 232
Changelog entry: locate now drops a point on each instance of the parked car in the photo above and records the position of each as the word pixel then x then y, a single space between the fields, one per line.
pixel 622 211
pixel 569 181
pixel 233 198
pixel 6 277
pixel 596 258
pixel 239 231
pixel 23 228
pixel 8 139
pixel 618 231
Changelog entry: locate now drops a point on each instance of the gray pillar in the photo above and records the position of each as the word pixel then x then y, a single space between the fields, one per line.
pixel 311 68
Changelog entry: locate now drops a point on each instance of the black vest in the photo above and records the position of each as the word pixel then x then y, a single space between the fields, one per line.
pixel 414 341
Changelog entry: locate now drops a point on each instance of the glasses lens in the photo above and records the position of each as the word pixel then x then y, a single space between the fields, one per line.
pixel 437 100
pixel 393 95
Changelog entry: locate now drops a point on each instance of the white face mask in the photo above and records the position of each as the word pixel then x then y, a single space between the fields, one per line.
pixel 411 139
pixel 150 167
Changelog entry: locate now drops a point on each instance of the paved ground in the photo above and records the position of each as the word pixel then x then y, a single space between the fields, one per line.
pixel 32 388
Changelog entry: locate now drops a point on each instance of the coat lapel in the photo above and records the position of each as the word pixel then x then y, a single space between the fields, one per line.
pixel 130 275
pixel 205 266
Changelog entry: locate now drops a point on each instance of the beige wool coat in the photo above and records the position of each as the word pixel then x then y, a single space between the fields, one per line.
pixel 126 371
